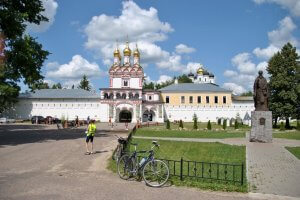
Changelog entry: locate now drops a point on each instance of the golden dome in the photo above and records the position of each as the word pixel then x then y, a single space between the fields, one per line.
pixel 200 70
pixel 136 52
pixel 117 53
pixel 127 50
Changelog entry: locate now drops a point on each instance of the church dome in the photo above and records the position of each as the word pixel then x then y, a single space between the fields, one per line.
pixel 127 50
pixel 117 53
pixel 136 53
pixel 200 71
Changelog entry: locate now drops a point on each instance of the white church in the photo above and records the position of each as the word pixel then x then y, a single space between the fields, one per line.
pixel 125 100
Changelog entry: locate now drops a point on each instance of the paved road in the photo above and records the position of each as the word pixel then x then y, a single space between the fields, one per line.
pixel 50 164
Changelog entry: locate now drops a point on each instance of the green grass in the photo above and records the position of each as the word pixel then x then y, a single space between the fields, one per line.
pixel 293 134
pixel 193 151
pixel 159 132
pixel 295 151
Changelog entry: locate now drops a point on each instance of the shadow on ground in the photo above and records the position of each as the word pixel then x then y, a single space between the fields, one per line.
pixel 12 135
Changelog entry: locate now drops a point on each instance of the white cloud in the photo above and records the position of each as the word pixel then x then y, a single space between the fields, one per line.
pixel 141 25
pixel 278 38
pixel 266 53
pixel 192 67
pixel 182 48
pixel 163 78
pixel 243 63
pixel 292 5
pixel 52 65
pixel 75 69
pixel 50 82
pixel 173 63
pixel 230 73
pixel 235 88
pixel 50 7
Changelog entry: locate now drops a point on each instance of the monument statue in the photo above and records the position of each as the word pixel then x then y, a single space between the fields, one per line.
pixel 261 118
pixel 261 93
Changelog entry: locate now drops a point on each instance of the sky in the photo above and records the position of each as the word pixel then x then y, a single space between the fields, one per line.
pixel 229 38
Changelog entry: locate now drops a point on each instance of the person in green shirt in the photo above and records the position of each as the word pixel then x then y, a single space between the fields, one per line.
pixel 90 133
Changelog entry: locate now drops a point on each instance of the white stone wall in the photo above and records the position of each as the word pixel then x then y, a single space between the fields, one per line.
pixel 205 113
pixel 69 108
pixel 135 83
pixel 117 83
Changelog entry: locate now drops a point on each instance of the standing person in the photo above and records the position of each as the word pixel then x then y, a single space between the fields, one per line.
pixel 77 121
pixel 88 120
pixel 90 137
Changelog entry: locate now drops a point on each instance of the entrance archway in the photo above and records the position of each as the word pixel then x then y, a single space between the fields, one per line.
pixel 125 116
pixel 149 116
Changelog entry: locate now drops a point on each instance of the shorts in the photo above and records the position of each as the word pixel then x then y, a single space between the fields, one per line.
pixel 89 138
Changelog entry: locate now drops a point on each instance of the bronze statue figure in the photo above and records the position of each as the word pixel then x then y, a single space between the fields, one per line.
pixel 261 93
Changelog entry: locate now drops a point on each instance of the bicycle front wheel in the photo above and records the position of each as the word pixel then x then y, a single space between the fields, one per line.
pixel 117 153
pixel 156 173
pixel 125 167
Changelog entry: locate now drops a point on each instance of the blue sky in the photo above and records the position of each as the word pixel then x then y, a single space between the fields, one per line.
pixel 232 39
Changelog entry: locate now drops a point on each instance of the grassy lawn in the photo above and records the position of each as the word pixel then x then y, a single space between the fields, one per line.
pixel 295 151
pixel 152 132
pixel 205 152
pixel 293 135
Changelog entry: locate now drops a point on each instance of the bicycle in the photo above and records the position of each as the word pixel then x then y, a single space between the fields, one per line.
pixel 154 172
pixel 119 151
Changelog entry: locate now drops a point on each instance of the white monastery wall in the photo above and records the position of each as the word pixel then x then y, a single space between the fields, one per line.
pixel 117 83
pixel 69 108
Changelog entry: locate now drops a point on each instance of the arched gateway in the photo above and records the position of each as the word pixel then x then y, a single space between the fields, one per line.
pixel 125 116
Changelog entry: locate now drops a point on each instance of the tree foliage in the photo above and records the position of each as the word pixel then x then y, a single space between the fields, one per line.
pixel 148 85
pixel 247 94
pixel 40 85
pixel 23 56
pixel 284 86
pixel 195 119
pixel 84 84
pixel 57 86
pixel 168 124
pixel 208 125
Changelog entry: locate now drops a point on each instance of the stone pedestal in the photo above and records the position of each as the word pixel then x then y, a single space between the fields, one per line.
pixel 261 130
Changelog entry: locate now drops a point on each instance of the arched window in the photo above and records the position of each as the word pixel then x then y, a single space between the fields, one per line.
pixel 123 96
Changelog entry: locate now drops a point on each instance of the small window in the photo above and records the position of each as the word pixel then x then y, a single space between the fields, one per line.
pixel 167 99
pixel 216 99
pixel 182 99
pixel 191 99
pixel 199 99
pixel 207 99
pixel 150 98
pixel 224 99
pixel 125 83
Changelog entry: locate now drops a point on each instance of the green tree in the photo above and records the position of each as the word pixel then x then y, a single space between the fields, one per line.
pixel 195 119
pixel 180 124
pixel 236 124
pixel 184 79
pixel 224 124
pixel 21 56
pixel 249 93
pixel 163 84
pixel 168 124
pixel 84 84
pixel 40 85
pixel 208 125
pixel 284 94
pixel 56 86
pixel 148 85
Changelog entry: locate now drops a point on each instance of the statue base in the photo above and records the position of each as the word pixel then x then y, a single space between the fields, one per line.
pixel 261 126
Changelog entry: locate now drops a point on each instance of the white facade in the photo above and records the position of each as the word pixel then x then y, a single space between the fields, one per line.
pixel 206 113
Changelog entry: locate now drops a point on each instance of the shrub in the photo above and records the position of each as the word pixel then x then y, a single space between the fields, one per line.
pixel 224 124
pixel 168 124
pixel 282 128
pixel 298 125
pixel 209 125
pixel 219 121
pixel 180 124
pixel 195 119
pixel 236 124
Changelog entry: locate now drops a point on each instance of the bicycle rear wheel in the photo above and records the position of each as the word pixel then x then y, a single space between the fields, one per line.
pixel 156 173
pixel 125 167
pixel 117 153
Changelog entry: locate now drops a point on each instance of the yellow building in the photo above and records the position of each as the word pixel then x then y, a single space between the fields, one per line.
pixel 207 100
